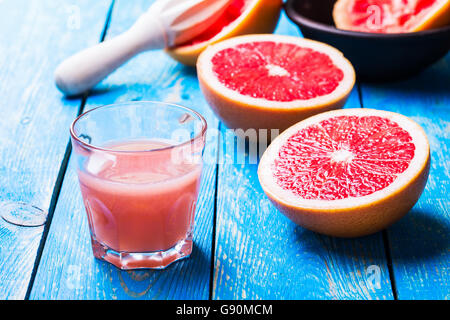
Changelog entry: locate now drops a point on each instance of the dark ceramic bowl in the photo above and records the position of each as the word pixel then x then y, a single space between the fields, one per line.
pixel 375 56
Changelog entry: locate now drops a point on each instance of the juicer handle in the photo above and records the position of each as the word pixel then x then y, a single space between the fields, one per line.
pixel 85 69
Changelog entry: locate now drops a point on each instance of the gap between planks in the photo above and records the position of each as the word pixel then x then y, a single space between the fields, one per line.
pixel 385 236
pixel 213 241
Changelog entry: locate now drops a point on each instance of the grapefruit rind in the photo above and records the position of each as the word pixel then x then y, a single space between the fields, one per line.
pixel 439 18
pixel 353 216
pixel 239 111
pixel 260 16
pixel 436 18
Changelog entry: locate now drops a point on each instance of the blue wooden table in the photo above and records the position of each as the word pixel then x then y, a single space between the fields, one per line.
pixel 244 248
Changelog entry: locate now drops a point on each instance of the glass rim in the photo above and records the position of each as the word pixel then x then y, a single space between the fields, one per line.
pixel 91 146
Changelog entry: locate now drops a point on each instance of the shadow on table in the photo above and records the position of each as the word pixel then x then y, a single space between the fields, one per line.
pixel 418 236
pixel 433 80
pixel 108 93
pixel 186 274
pixel 363 248
pixel 99 91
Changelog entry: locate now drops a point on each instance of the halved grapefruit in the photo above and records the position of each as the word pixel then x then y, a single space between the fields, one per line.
pixel 272 81
pixel 391 16
pixel 347 173
pixel 241 17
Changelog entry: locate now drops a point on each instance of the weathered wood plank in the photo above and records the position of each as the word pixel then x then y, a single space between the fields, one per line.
pixel 420 242
pixel 68 269
pixel 260 254
pixel 35 36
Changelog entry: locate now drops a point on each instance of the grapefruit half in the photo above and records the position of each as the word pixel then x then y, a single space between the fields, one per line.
pixel 347 173
pixel 272 81
pixel 241 17
pixel 391 16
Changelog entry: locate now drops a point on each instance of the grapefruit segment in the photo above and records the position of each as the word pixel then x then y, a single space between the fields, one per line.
pixel 391 16
pixel 273 81
pixel 241 17
pixel 347 172
pixel 276 71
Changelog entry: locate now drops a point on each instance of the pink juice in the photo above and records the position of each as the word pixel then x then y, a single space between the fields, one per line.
pixel 141 201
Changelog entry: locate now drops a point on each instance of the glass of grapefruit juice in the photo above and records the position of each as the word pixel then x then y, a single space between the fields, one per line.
pixel 139 166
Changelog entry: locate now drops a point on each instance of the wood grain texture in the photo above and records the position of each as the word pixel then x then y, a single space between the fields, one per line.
pixel 260 254
pixel 68 269
pixel 420 242
pixel 36 35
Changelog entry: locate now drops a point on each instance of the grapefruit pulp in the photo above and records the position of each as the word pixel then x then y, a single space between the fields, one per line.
pixel 272 81
pixel 391 16
pixel 347 173
pixel 241 17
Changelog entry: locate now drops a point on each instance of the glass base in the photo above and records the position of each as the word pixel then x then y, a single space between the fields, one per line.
pixel 142 260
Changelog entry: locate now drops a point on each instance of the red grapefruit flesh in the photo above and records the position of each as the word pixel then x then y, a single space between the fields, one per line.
pixel 272 81
pixel 391 16
pixel 348 172
pixel 241 17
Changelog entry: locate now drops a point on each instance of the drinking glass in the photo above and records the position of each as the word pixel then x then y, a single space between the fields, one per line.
pixel 139 166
